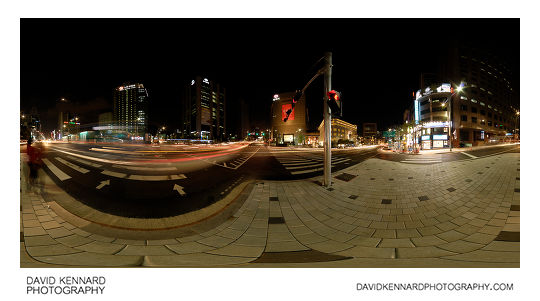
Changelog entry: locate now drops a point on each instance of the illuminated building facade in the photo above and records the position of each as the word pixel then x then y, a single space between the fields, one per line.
pixel 341 131
pixel 130 108
pixel 203 113
pixel 293 130
pixel 484 111
pixel 474 121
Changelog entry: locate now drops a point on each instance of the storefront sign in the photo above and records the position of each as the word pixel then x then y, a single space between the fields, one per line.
pixel 435 124
pixel 438 144
pixel 444 88
pixel 425 137
pixel 440 137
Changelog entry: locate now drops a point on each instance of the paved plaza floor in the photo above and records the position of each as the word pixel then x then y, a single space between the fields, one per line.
pixel 376 214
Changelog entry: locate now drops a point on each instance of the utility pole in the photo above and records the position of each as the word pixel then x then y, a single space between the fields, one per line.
pixel 450 120
pixel 327 181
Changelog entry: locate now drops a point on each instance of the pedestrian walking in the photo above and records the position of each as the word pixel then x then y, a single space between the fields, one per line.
pixel 34 161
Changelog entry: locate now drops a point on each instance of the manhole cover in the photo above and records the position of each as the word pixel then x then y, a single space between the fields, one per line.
pixel 345 177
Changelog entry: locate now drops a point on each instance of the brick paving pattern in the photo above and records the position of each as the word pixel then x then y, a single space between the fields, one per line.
pixel 447 214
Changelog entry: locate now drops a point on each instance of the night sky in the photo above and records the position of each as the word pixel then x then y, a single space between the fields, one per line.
pixel 377 62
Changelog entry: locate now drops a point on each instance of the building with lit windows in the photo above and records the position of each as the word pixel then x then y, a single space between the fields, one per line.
pixel 473 121
pixel 30 124
pixel 203 113
pixel 130 109
pixel 484 110
pixel 68 125
pixel 342 132
pixel 288 129
pixel 369 133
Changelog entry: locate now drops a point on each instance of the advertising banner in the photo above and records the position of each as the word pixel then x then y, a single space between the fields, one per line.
pixel 284 109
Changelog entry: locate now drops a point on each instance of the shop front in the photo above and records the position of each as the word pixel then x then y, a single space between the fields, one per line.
pixel 426 141
pixel 440 141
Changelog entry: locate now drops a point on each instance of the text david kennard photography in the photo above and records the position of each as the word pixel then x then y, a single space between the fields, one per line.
pixel 65 285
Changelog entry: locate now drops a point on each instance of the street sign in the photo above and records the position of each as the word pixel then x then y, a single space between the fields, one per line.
pixel 388 134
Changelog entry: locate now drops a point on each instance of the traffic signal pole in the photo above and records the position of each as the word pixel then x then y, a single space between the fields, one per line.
pixel 327 181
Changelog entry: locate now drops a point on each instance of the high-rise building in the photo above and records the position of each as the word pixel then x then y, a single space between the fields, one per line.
pixel 130 108
pixel 203 113
pixel 485 109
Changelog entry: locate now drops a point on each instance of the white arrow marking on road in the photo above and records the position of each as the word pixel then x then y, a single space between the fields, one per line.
pixel 103 183
pixel 179 188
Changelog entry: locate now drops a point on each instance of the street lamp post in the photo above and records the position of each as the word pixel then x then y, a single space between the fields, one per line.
pixel 450 120
pixel 327 181
pixel 516 126
pixel 458 89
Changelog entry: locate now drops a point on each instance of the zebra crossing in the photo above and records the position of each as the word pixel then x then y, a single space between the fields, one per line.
pixel 424 160
pixel 234 164
pixel 66 168
pixel 299 165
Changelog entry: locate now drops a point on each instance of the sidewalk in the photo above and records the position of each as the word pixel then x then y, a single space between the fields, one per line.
pixel 377 214
pixel 454 149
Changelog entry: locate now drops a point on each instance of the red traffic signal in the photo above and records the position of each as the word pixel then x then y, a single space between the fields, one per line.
pixel 297 96
pixel 334 102
pixel 333 95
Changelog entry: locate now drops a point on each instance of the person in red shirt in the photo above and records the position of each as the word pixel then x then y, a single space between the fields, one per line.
pixel 34 160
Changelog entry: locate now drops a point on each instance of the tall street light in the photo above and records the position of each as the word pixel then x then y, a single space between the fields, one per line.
pixel 516 126
pixel 458 90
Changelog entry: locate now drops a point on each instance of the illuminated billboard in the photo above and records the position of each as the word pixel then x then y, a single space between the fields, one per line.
pixel 284 109
pixel 440 137
pixel 288 138
pixel 416 111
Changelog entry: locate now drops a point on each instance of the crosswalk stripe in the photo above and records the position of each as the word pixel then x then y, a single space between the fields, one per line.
pixel 84 162
pixel 114 174
pixel 171 168
pixel 300 167
pixel 421 162
pixel 73 166
pixel 340 160
pixel 57 172
pixel 307 171
pixel 300 163
pixel 472 156
pixel 177 177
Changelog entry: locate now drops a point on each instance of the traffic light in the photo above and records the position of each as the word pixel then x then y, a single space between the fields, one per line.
pixel 334 102
pixel 297 96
